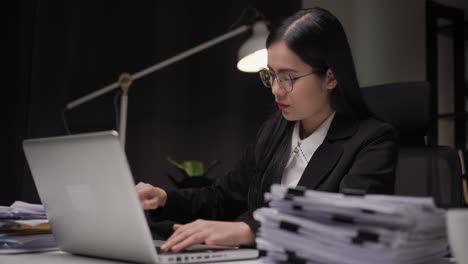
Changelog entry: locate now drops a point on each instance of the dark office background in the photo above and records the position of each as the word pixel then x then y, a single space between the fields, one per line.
pixel 200 108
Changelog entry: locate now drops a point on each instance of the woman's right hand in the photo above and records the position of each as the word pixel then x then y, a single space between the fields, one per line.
pixel 150 197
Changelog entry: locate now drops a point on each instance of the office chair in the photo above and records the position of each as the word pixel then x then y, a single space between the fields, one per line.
pixel 422 170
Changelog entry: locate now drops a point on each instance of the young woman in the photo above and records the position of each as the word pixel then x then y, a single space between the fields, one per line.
pixel 323 137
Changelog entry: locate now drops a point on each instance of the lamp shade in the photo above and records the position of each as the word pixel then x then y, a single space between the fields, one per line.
pixel 252 54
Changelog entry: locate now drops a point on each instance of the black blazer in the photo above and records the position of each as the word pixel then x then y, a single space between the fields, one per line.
pixel 356 154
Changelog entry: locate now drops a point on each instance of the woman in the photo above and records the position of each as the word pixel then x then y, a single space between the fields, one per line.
pixel 323 137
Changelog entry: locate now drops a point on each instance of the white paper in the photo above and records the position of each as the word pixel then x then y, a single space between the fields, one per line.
pixel 28 207
pixel 32 223
pixel 22 211
pixel 323 227
pixel 27 243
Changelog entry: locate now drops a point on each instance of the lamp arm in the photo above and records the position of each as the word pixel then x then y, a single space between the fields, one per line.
pixel 159 66
pixel 125 80
pixel 191 51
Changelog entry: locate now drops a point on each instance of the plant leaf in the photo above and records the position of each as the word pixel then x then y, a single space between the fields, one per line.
pixel 193 167
pixel 175 163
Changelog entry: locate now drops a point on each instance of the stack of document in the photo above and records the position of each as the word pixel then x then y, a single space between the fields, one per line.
pixel 23 217
pixel 24 228
pixel 306 226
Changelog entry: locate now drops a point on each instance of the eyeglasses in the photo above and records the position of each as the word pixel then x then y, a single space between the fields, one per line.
pixel 285 81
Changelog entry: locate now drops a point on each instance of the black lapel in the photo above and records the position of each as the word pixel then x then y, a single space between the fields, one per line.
pixel 321 163
pixel 328 154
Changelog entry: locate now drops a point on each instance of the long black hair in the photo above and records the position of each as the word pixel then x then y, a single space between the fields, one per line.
pixel 318 38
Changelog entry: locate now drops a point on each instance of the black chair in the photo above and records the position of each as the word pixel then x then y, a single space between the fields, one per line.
pixel 422 170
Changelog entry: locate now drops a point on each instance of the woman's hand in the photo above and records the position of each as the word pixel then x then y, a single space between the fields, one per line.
pixel 150 197
pixel 210 233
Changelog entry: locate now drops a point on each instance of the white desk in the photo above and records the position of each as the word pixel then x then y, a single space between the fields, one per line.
pixel 59 257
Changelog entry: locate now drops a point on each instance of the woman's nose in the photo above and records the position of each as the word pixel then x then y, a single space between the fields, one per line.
pixel 276 89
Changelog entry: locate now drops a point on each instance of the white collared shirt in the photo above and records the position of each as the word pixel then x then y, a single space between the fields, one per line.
pixel 302 151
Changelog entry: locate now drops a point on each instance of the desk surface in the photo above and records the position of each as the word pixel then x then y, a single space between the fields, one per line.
pixel 62 257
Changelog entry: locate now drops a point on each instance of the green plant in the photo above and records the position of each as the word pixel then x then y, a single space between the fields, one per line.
pixel 193 172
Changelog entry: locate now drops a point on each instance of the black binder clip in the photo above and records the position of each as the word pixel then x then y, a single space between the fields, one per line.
pixel 288 226
pixel 342 219
pixel 353 192
pixel 368 236
pixel 298 191
pixel 294 259
pixel 297 207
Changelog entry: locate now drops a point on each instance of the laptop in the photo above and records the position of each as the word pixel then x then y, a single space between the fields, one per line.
pixel 86 186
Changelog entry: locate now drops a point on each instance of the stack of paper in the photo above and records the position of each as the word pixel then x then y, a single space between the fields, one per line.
pixel 309 226
pixel 23 228
pixel 23 218
pixel 29 243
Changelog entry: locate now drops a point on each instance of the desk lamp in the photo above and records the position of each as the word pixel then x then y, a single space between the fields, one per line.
pixel 252 56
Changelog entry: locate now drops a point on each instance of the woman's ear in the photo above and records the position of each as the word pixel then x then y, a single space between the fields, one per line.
pixel 330 80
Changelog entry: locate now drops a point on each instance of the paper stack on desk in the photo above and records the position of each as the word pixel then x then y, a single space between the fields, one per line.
pixel 306 226
pixel 24 228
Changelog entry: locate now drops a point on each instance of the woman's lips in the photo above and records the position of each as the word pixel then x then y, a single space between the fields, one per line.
pixel 282 106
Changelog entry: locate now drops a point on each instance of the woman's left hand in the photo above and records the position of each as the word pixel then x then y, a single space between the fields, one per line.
pixel 210 233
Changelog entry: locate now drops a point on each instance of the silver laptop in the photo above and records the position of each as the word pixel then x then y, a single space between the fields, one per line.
pixel 85 183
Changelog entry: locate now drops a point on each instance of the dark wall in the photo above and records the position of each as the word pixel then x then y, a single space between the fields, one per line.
pixel 200 108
